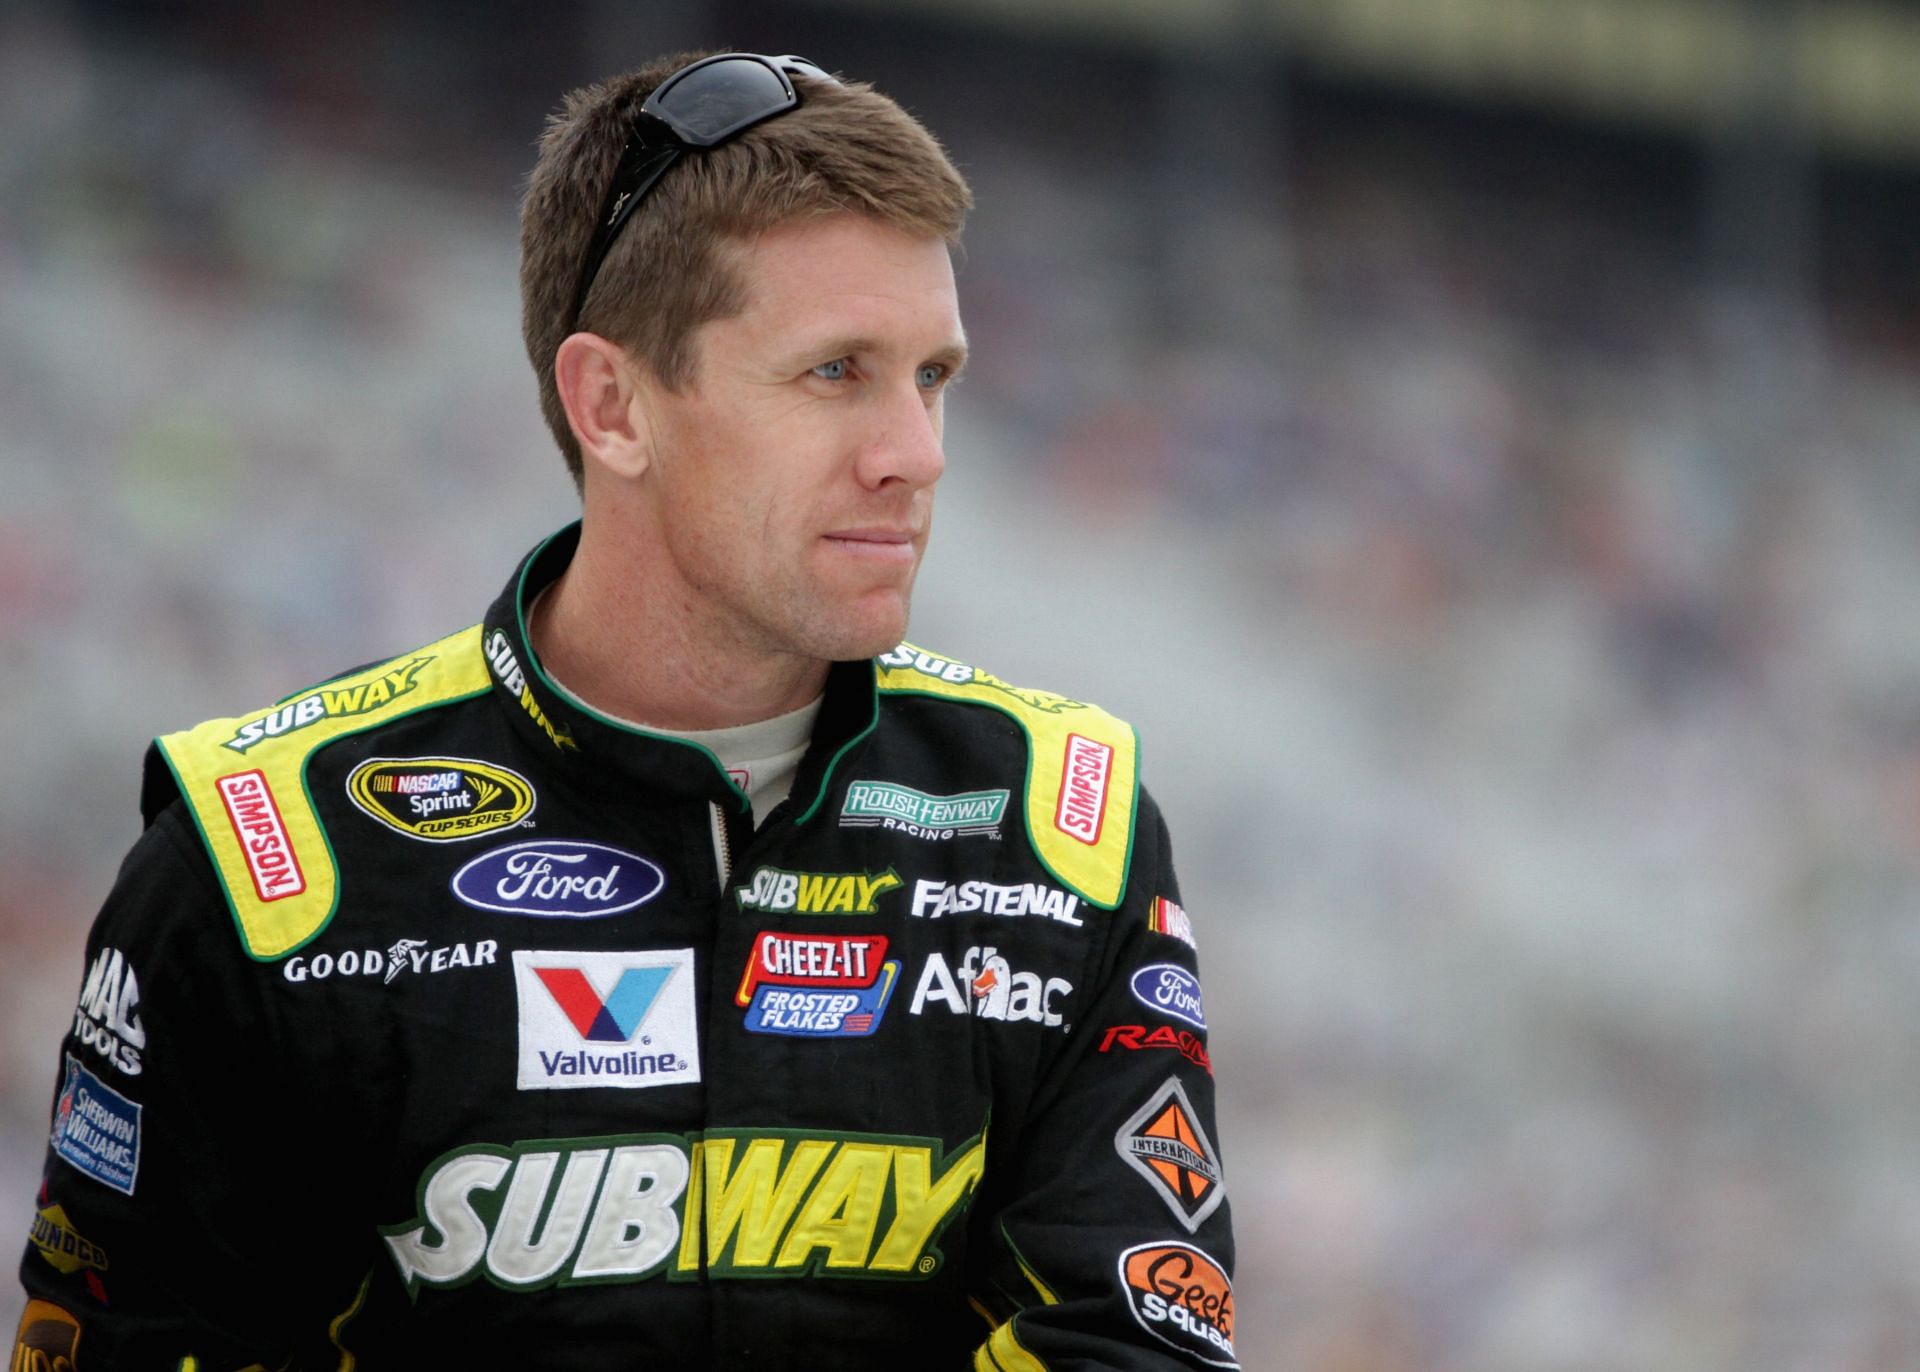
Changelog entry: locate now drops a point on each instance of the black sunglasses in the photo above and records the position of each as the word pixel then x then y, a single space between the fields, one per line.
pixel 700 106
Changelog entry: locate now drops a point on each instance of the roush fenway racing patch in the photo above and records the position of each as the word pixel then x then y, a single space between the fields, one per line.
pixel 1182 1297
pixel 1164 1143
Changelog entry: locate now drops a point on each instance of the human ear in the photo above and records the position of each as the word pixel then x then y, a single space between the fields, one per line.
pixel 599 387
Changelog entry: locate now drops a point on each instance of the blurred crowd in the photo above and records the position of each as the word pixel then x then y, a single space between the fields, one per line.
pixel 1516 608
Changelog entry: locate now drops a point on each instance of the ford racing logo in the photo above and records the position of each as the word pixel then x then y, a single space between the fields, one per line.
pixel 1172 991
pixel 558 879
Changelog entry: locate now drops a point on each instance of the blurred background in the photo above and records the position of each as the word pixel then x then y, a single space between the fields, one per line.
pixel 1477 441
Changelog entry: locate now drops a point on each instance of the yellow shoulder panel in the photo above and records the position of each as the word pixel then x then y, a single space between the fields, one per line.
pixel 1082 765
pixel 245 782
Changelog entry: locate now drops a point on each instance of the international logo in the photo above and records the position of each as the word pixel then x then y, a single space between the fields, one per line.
pixel 1183 1298
pixel 54 1235
pixel 1082 807
pixel 606 1019
pixel 1165 917
pixel 559 879
pixel 938 899
pixel 96 1130
pixel 986 986
pixel 883 805
pixel 263 835
pixel 817 986
pixel 330 702
pixel 440 799
pixel 742 1204
pixel 781 892
pixel 414 955
pixel 107 1018
pixel 1170 990
pixel 49 1338
pixel 506 666
pixel 1164 1143
pixel 1137 1037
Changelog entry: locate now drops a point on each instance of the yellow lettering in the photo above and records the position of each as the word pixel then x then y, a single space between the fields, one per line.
pixel 843 1209
pixel 814 891
pixel 840 895
pixel 345 702
pixel 920 1206
pixel 377 694
pixel 757 1198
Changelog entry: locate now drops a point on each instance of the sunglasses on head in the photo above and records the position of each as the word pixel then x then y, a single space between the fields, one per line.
pixel 700 106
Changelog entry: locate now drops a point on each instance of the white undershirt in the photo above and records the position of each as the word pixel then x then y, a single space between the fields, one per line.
pixel 761 757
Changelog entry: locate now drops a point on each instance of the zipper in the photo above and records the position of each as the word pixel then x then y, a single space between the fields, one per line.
pixel 722 845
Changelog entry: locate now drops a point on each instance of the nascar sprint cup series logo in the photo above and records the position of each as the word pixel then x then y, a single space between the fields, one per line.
pixel 440 799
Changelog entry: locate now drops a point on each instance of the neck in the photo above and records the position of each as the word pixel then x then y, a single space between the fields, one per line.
pixel 641 657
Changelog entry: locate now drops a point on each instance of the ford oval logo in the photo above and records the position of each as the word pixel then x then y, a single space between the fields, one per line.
pixel 1172 991
pixel 558 879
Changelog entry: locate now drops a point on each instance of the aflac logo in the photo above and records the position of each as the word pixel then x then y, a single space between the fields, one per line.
pixel 558 879
pixel 1172 991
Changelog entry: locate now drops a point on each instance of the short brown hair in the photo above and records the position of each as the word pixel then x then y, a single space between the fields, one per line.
pixel 845 148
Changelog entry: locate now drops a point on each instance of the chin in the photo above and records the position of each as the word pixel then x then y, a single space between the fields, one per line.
pixel 860 633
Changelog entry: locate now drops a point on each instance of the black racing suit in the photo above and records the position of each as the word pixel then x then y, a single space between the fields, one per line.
pixel 436 1021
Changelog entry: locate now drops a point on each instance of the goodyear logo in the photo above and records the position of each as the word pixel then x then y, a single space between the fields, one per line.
pixel 816 893
pixel 440 799
pixel 53 1234
pixel 331 702
pixel 759 1203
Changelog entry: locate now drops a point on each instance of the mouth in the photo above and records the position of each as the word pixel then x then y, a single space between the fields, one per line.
pixel 882 545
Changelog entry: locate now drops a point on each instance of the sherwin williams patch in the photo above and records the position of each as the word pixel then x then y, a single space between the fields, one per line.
pixel 440 799
pixel 559 879
pixel 606 1019
pixel 1182 1297
pixel 96 1130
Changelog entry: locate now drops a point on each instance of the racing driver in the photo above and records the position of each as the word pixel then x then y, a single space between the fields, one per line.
pixel 675 968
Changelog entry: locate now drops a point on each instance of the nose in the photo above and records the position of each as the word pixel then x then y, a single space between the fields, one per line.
pixel 906 444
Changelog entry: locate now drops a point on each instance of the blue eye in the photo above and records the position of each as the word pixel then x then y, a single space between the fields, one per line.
pixel 835 370
pixel 931 375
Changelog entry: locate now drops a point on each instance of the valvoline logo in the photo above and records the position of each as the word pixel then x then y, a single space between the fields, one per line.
pixel 558 879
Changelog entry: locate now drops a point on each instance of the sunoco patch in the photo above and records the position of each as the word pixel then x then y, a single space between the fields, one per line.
pixel 440 799
pixel 53 1234
pixel 96 1130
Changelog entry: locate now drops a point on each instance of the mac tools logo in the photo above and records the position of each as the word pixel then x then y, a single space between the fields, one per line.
pixel 558 880
pixel 107 1018
pixel 606 1019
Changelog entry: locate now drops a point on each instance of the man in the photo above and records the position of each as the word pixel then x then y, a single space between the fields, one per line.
pixel 674 969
